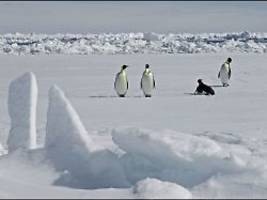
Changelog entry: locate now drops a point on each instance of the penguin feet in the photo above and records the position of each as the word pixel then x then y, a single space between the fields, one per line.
pixel 225 84
pixel 147 95
pixel 122 95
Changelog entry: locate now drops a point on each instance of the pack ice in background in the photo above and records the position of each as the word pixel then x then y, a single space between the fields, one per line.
pixel 132 43
pixel 65 133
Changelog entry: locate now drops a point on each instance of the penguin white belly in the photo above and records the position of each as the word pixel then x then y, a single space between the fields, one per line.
pixel 121 84
pixel 224 75
pixel 147 84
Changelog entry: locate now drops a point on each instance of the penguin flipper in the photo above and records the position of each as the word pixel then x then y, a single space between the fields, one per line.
pixel 127 85
pixel 229 73
pixel 116 78
pixel 219 74
pixel 154 83
pixel 141 85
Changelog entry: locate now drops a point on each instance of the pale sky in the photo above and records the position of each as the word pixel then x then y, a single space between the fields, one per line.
pixel 132 16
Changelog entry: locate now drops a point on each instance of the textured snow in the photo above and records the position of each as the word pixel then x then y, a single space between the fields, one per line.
pixel 22 105
pixel 69 147
pixel 171 156
pixel 64 124
pixel 132 43
pixel 172 145
pixel 156 189
pixel 2 150
pixel 29 175
pixel 66 138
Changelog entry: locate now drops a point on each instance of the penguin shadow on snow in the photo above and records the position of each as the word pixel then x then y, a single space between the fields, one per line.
pixel 114 96
pixel 192 93
pixel 102 96
pixel 216 86
pixel 203 94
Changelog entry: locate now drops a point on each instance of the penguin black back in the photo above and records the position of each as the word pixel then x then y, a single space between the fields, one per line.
pixel 204 88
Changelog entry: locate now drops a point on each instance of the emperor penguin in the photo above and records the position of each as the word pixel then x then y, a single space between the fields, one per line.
pixel 225 72
pixel 203 88
pixel 121 82
pixel 147 81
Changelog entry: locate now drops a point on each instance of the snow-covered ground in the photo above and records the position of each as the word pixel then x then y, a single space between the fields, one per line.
pixel 132 43
pixel 173 145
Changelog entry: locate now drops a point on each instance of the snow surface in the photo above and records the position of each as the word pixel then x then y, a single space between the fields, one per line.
pixel 64 126
pixel 185 159
pixel 155 189
pixel 22 102
pixel 69 147
pixel 132 43
pixel 2 150
pixel 172 145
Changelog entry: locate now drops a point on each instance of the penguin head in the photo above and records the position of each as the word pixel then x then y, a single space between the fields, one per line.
pixel 124 67
pixel 229 60
pixel 147 66
pixel 199 81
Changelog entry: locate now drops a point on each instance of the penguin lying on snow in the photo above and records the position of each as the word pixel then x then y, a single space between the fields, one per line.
pixel 203 88
pixel 121 82
pixel 225 72
pixel 147 81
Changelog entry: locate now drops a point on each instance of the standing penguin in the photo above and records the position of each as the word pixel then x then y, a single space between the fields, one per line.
pixel 121 82
pixel 225 72
pixel 147 81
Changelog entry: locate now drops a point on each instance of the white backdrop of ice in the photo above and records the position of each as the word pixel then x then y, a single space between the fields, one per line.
pixel 2 150
pixel 22 105
pixel 229 128
pixel 182 158
pixel 150 188
pixel 148 36
pixel 63 122
pixel 69 147
pixel 132 43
